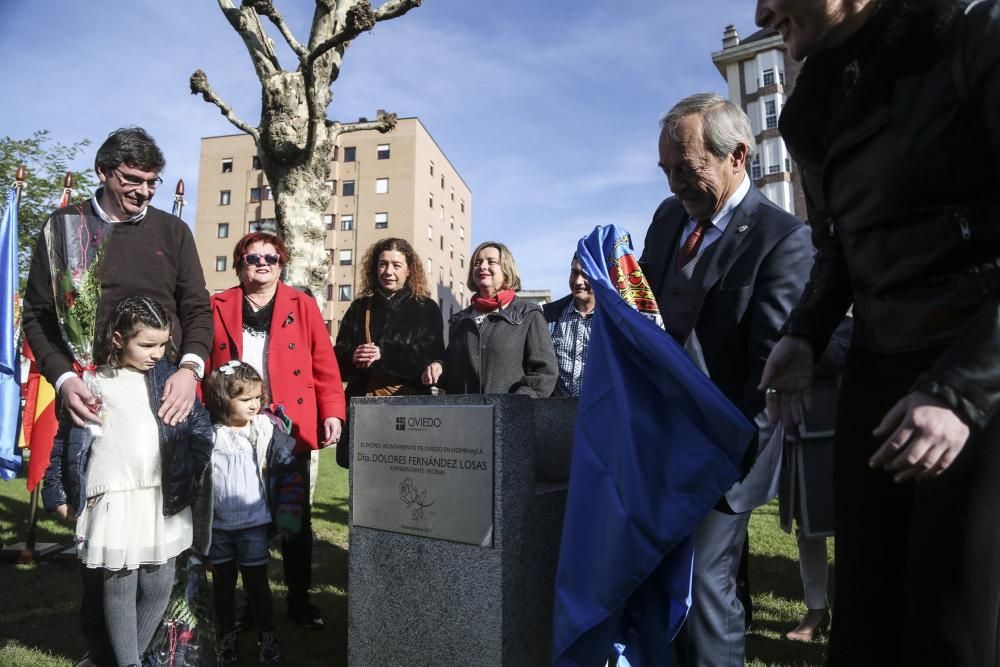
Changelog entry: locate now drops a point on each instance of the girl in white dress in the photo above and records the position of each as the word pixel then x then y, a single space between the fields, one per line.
pixel 129 485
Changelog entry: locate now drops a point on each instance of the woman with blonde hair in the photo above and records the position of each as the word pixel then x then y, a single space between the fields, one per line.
pixel 500 344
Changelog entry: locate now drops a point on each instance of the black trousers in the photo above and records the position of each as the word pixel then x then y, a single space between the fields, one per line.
pixel 296 552
pixel 918 563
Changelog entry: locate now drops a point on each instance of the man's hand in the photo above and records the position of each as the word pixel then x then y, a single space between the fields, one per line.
pixel 365 355
pixel 65 514
pixel 926 437
pixel 178 396
pixel 80 402
pixel 787 377
pixel 432 373
pixel 331 432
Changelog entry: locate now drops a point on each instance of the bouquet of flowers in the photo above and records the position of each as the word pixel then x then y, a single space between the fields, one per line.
pixel 76 246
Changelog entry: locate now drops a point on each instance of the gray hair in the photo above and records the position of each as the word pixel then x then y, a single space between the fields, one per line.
pixel 724 125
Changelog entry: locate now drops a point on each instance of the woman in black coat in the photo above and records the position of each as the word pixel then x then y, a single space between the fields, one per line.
pixel 393 330
pixel 895 130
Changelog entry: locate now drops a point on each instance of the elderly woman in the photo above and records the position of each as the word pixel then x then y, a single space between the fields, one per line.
pixel 279 331
pixel 393 330
pixel 894 97
pixel 500 344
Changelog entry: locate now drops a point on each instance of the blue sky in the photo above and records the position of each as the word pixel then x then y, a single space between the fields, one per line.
pixel 547 108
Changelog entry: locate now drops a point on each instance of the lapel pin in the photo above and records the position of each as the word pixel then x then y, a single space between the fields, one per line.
pixel 742 228
pixel 288 320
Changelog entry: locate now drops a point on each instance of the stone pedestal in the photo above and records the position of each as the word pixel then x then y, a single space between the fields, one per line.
pixel 418 600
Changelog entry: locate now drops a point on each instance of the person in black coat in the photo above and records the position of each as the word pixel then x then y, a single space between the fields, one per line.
pixel 894 127
pixel 392 331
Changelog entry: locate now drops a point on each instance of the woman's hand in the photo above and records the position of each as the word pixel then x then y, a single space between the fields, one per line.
pixel 65 514
pixel 787 377
pixel 926 437
pixel 365 355
pixel 432 373
pixel 331 432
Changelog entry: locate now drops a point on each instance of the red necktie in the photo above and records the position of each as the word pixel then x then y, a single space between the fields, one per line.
pixel 689 250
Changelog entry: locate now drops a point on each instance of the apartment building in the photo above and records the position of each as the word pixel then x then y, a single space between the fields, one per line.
pixel 399 184
pixel 761 75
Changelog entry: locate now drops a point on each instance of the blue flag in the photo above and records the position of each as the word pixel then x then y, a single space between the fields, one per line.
pixel 656 445
pixel 10 375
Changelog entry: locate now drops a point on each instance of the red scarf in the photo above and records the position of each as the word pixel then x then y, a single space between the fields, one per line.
pixel 500 300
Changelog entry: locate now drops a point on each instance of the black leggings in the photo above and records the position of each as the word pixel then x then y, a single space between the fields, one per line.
pixel 257 589
pixel 917 564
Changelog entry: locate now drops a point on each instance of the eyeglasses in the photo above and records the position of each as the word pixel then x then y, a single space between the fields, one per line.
pixel 253 259
pixel 132 182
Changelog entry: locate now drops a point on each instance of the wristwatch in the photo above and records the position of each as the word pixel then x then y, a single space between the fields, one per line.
pixel 193 367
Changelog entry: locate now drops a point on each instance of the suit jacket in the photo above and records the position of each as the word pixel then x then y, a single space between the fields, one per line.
pixel 747 283
pixel 302 371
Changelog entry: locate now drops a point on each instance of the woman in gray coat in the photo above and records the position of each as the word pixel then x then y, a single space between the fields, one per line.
pixel 500 344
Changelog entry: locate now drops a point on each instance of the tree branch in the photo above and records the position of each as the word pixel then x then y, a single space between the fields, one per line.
pixel 385 123
pixel 361 18
pixel 267 8
pixel 200 86
pixel 265 61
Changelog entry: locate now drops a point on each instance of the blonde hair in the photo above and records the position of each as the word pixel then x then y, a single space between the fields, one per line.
pixel 511 278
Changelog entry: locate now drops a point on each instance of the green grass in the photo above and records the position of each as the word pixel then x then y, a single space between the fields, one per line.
pixel 38 616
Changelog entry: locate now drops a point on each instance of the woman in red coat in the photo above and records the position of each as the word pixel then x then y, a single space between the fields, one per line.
pixel 279 330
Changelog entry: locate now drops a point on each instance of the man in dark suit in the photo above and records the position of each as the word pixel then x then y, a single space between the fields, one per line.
pixel 726 265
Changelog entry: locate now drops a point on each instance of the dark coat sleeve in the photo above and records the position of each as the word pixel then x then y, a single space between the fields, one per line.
pixel 540 367
pixel 414 343
pixel 349 336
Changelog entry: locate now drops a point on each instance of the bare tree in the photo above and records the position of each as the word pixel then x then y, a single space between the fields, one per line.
pixel 295 138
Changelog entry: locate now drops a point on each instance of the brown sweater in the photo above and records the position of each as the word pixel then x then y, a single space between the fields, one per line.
pixel 154 257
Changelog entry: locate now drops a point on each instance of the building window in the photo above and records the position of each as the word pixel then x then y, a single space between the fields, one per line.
pixel 770 114
pixel 461 205
pixel 768 76
pixel 461 232
pixel 430 232
pixel 331 186
pixel 430 201
pixel 430 266
pixel 755 171
pixel 346 222
pixel 336 152
pixel 220 263
pixel 223 232
pixel 345 258
pixel 345 292
pixel 441 214
pixel 255 162
pixel 269 225
pixel 781 76
pixel 442 181
pixel 224 197
pixel 451 252
pixel 788 165
pixel 382 151
pixel 350 153
pixel 773 168
pixel 451 219
pixel 254 194
pixel 432 167
pixel 328 220
pixel 266 193
pixel 348 187
pixel 329 292
pixel 381 221
pixel 381 186
pixel 442 243
pixel 227 165
pixel 453 194
pixel 461 261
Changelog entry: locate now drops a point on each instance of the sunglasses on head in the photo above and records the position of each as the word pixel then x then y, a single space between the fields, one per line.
pixel 253 259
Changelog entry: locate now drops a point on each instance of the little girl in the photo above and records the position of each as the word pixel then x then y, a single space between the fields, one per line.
pixel 129 487
pixel 258 492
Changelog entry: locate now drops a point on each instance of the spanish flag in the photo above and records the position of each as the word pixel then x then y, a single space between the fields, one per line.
pixel 39 422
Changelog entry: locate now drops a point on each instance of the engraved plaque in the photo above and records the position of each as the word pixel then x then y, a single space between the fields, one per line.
pixel 424 470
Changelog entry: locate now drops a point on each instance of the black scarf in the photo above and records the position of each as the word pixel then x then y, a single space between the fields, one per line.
pixel 257 321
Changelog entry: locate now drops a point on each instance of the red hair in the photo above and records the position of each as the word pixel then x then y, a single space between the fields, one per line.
pixel 258 237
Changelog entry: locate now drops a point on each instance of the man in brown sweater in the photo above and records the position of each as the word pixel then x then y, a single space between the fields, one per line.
pixel 138 250
pixel 145 252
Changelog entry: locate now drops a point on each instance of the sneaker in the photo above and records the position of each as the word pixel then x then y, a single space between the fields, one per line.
pixel 269 647
pixel 306 615
pixel 229 647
